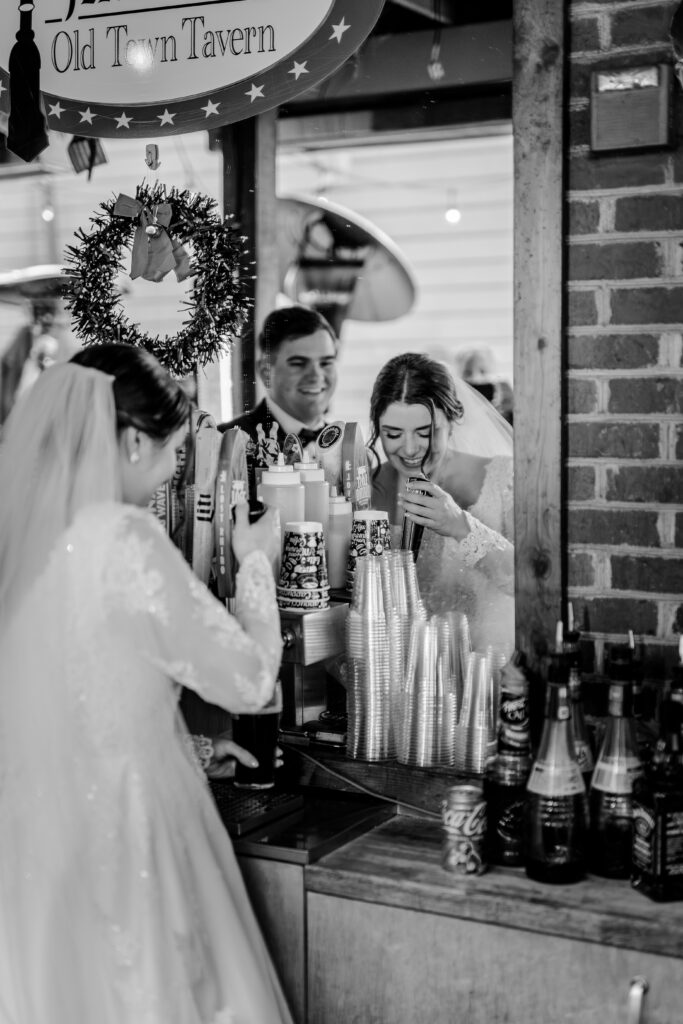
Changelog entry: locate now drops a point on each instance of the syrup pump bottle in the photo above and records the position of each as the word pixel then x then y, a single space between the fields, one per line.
pixel 568 642
pixel 556 804
pixel 508 772
pixel 281 488
pixel 338 538
pixel 611 793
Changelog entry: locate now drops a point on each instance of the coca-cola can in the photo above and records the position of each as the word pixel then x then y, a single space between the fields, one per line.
pixel 463 811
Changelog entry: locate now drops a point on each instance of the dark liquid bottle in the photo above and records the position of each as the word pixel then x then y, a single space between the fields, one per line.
pixel 611 793
pixel 657 855
pixel 506 777
pixel 556 806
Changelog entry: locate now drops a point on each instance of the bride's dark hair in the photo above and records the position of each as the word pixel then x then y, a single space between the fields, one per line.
pixel 414 379
pixel 145 394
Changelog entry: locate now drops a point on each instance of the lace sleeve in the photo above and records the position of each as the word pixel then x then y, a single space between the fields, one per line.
pixel 491 523
pixel 491 553
pixel 181 629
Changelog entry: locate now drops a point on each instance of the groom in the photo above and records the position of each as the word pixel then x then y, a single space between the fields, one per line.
pixel 297 363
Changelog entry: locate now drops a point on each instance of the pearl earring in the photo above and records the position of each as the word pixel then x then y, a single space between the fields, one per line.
pixel 135 456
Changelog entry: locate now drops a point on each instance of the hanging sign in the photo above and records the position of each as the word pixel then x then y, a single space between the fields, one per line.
pixel 113 68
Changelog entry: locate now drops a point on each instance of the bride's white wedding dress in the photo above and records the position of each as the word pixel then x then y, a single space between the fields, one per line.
pixel 476 576
pixel 121 899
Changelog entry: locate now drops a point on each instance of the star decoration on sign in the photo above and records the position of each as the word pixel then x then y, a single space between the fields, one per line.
pixel 255 93
pixel 298 69
pixel 123 121
pixel 87 115
pixel 164 118
pixel 210 108
pixel 339 30
pixel 55 109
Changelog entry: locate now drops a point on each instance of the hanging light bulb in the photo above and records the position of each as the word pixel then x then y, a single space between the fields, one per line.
pixel 47 214
pixel 452 214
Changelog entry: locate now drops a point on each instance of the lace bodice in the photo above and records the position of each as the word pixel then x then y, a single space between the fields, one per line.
pixel 495 505
pixel 476 575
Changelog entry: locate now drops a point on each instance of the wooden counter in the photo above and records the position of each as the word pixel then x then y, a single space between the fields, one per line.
pixel 392 938
pixel 377 932
pixel 398 864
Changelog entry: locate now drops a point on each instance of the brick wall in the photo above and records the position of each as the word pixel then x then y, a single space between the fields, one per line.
pixel 624 351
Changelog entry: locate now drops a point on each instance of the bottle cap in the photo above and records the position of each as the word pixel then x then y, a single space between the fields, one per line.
pixel 338 503
pixel 309 469
pixel 279 473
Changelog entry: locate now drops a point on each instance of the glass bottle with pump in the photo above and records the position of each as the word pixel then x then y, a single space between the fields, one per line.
pixel 507 775
pixel 582 742
pixel 556 805
pixel 611 793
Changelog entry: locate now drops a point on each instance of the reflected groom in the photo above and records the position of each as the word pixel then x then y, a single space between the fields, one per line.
pixel 297 362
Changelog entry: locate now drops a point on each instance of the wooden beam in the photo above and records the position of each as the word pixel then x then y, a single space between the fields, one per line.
pixel 386 66
pixel 249 193
pixel 538 311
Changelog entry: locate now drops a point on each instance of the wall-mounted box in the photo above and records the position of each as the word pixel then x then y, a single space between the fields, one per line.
pixel 631 108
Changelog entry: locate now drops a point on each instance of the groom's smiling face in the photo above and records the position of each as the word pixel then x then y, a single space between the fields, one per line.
pixel 301 376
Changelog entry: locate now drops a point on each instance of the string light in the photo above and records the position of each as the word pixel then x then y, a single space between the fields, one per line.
pixel 48 214
pixel 453 215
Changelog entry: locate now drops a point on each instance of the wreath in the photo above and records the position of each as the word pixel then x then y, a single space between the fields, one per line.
pixel 155 226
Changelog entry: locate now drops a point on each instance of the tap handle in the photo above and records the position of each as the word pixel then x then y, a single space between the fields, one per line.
pixel 636 999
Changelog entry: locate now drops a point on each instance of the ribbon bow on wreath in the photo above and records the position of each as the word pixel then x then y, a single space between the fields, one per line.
pixel 155 251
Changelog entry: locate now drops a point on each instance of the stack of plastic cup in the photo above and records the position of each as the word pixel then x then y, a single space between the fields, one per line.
pixel 303 579
pixel 417 740
pixel 476 730
pixel 403 606
pixel 452 634
pixel 370 535
pixel 368 694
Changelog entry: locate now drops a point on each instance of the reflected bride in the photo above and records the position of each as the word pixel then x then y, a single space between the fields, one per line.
pixel 429 425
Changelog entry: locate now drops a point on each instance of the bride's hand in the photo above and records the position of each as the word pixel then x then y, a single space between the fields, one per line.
pixel 263 535
pixel 436 510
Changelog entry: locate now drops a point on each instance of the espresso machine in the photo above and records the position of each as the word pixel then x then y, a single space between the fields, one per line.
pixel 313 697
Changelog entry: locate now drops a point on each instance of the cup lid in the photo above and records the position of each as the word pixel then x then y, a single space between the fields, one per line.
pixel 309 526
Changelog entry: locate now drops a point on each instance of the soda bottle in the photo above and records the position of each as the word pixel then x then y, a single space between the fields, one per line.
pixel 611 793
pixel 556 805
pixel 507 775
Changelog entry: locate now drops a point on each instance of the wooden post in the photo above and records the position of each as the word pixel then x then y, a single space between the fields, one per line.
pixel 538 36
pixel 248 149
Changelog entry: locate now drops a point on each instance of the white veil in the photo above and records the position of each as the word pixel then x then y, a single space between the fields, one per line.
pixel 58 453
pixel 481 430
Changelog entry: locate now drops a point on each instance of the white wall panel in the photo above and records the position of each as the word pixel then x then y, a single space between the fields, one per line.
pixel 463 271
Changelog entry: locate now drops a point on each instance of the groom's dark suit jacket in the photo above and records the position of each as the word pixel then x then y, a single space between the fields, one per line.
pixel 249 421
pixel 257 458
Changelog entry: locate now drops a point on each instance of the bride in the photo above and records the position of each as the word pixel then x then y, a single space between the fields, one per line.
pixel 430 426
pixel 122 901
